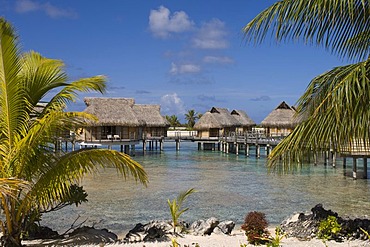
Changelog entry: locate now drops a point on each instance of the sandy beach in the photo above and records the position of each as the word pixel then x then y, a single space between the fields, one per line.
pixel 214 240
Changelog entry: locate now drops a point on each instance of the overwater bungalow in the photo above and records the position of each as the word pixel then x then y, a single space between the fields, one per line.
pixel 121 120
pixel 154 124
pixel 246 123
pixel 280 122
pixel 217 122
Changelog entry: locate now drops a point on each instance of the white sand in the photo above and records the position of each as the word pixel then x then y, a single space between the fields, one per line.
pixel 234 240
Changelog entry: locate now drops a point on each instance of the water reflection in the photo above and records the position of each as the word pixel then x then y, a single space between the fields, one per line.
pixel 228 188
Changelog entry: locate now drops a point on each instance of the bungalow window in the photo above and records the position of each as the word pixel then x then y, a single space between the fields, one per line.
pixel 108 130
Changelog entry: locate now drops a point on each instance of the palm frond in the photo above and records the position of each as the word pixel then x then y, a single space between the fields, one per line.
pixel 334 111
pixel 34 149
pixel 40 75
pixel 340 26
pixel 14 107
pixel 71 167
pixel 69 92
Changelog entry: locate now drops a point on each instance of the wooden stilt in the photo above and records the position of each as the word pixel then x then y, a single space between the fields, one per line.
pixel 334 159
pixel 344 165
pixel 354 168
pixel 236 148
pixel 258 151
pixel 365 168
pixel 177 145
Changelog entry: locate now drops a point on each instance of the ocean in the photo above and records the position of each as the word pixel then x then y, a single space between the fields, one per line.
pixel 228 187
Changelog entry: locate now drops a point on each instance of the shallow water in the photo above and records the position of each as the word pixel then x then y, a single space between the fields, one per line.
pixel 228 186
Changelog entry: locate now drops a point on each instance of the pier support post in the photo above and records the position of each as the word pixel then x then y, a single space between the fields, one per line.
pixel 268 149
pixel 315 158
pixel 227 147
pixel 258 151
pixel 344 165
pixel 199 146
pixel 177 145
pixel 127 149
pixel 133 151
pixel 236 148
pixel 334 158
pixel 161 145
pixel 365 168
pixel 354 170
pixel 247 150
pixel 326 158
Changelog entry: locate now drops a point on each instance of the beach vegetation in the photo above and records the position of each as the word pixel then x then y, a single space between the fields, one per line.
pixel 333 112
pixel 34 177
pixel 255 227
pixel 365 232
pixel 176 208
pixel 328 229
pixel 275 241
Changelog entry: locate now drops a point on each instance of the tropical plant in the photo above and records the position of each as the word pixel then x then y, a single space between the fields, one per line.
pixel 328 229
pixel 255 227
pixel 191 116
pixel 365 232
pixel 33 176
pixel 173 120
pixel 176 209
pixel 275 241
pixel 334 109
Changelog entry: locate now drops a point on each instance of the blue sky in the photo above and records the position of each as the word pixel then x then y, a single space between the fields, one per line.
pixel 180 54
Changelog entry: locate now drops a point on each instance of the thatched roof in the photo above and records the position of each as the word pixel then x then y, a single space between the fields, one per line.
pixel 216 118
pixel 281 117
pixel 112 111
pixel 150 115
pixel 243 118
pixel 123 112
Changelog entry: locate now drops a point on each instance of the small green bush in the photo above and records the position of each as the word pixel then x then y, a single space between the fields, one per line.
pixel 329 228
pixel 276 240
pixel 255 227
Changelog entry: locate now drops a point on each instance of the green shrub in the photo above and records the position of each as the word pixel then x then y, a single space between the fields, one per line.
pixel 255 227
pixel 276 240
pixel 329 228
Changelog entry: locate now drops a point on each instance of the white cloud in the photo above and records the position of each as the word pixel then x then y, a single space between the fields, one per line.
pixel 220 60
pixel 162 24
pixel 24 6
pixel 211 35
pixel 171 104
pixel 184 69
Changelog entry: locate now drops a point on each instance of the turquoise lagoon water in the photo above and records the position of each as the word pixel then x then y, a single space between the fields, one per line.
pixel 228 186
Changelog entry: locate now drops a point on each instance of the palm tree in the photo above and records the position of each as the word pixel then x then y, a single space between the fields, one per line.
pixel 334 109
pixel 191 116
pixel 33 176
pixel 173 120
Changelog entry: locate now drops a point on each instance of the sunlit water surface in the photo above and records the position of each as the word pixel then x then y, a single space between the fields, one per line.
pixel 228 186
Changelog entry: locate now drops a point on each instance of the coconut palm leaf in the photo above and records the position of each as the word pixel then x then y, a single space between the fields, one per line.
pixel 333 109
pixel 341 26
pixel 56 178
pixel 32 175
pixel 42 75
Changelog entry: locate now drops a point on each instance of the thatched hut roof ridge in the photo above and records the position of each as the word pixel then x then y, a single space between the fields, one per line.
pixel 282 116
pixel 243 118
pixel 150 115
pixel 124 112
